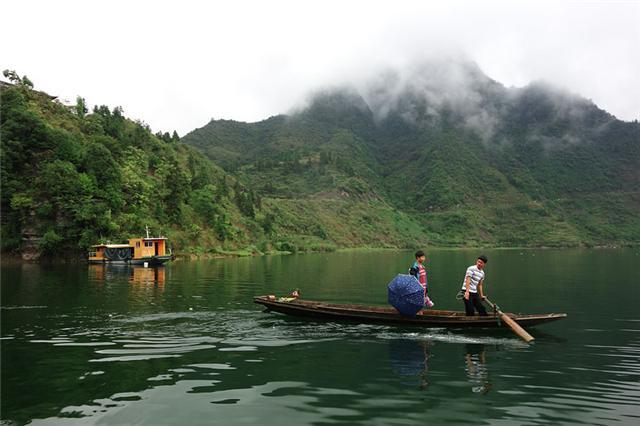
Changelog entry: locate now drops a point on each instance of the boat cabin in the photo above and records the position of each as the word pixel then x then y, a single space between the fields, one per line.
pixel 102 252
pixel 147 247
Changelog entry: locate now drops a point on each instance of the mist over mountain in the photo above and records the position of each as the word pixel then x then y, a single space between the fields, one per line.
pixel 463 159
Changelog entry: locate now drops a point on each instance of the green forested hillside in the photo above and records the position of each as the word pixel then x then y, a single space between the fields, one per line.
pixel 72 179
pixel 443 160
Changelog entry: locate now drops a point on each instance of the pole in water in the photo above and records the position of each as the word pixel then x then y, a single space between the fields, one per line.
pixel 514 326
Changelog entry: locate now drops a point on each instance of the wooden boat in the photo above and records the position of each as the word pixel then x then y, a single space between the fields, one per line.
pixel 151 251
pixel 384 314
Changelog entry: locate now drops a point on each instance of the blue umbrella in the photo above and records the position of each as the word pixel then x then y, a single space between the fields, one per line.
pixel 406 294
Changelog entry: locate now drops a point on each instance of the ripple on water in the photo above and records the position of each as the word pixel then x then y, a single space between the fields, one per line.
pixel 213 366
pixel 239 349
pixel 160 378
pixel 152 348
pixel 9 308
pixel 175 334
pixel 298 402
pixel 133 358
pixel 179 349
pixel 444 335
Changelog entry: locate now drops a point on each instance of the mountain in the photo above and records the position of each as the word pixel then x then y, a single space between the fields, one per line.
pixel 71 179
pixel 434 155
pixel 439 154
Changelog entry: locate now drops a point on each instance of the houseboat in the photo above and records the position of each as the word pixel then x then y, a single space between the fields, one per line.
pixel 151 251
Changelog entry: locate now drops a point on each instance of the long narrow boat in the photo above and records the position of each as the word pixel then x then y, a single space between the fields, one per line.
pixel 384 314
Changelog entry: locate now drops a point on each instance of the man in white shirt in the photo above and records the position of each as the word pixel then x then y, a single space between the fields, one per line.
pixel 472 286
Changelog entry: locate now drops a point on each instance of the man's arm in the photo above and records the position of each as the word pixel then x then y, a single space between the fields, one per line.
pixel 467 283
pixel 480 291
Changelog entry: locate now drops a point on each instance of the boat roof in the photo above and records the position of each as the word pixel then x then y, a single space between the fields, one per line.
pixel 148 238
pixel 128 245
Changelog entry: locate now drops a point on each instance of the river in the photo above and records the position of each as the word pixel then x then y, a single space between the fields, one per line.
pixel 185 344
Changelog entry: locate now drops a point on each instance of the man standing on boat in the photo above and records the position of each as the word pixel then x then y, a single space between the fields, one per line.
pixel 472 287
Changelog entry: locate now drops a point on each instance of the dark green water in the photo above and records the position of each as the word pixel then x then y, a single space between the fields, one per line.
pixel 184 344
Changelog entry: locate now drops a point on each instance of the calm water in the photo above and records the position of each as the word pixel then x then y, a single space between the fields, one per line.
pixel 184 344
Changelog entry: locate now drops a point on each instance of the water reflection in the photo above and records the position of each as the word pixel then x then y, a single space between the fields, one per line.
pixel 476 368
pixel 410 360
pixel 146 276
pixel 135 274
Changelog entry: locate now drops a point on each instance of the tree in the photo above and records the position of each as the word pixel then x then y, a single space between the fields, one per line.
pixel 26 82
pixel 15 79
pixel 176 184
pixel 222 227
pixel 268 223
pixel 100 164
pixel 203 202
pixel 81 106
pixel 12 76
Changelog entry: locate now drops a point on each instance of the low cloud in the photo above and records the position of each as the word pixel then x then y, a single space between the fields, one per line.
pixel 423 94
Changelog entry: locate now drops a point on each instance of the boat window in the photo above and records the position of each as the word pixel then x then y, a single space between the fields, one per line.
pixel 137 243
pixel 148 243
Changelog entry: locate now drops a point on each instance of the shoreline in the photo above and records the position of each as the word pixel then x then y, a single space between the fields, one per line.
pixel 188 257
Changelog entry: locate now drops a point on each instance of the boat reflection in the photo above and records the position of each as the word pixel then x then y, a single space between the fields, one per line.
pixel 139 275
pixel 410 361
pixel 476 368
pixel 148 276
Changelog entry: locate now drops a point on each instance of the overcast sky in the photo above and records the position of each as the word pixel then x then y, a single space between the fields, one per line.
pixel 177 64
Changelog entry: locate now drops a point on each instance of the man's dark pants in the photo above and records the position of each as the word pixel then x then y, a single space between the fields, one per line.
pixel 474 302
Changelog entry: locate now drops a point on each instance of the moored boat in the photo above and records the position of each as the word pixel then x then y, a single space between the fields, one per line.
pixel 151 251
pixel 384 314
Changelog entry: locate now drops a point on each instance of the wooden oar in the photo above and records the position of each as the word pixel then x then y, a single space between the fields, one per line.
pixel 511 323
